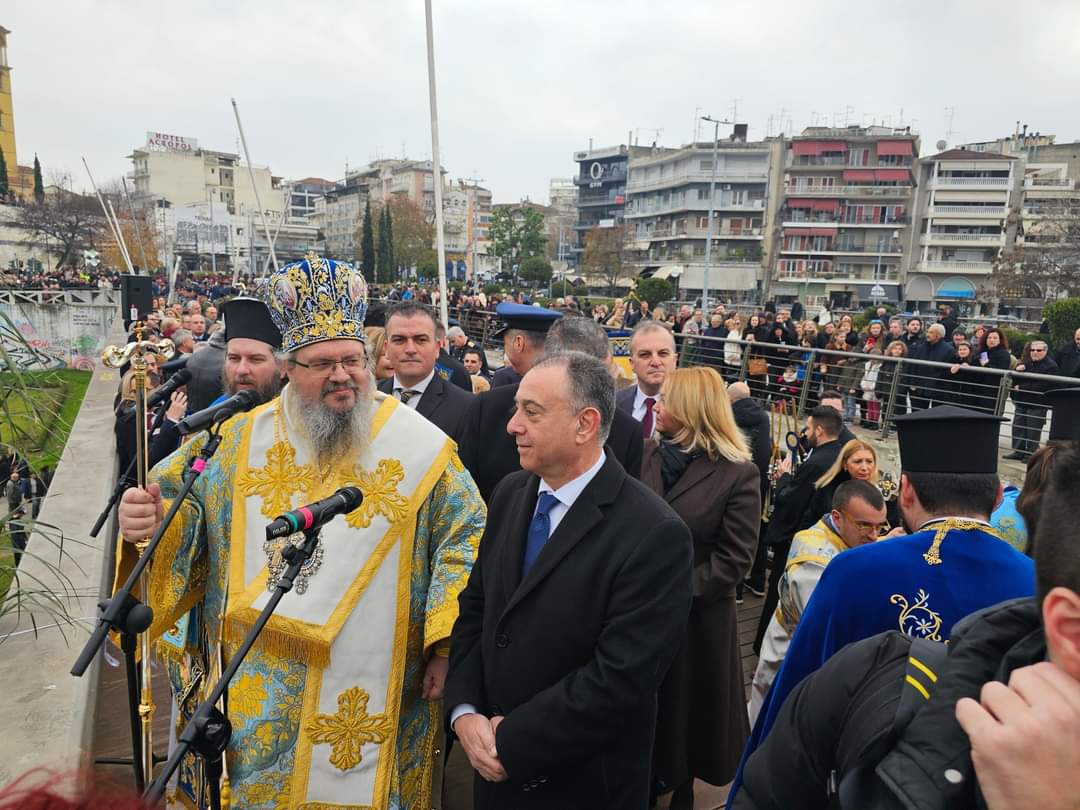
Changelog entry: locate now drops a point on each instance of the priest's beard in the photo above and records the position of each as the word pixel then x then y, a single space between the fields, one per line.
pixel 267 390
pixel 335 435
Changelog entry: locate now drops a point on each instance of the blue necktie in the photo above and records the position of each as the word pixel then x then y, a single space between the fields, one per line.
pixel 539 529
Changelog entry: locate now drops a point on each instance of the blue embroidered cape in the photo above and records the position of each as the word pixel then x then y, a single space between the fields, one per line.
pixel 893 585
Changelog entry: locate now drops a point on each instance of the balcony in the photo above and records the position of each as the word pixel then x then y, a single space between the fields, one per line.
pixel 969 268
pixel 597 201
pixel 967 210
pixel 849 191
pixel 701 206
pixel 1049 182
pixel 957 239
pixel 892 249
pixel 636 186
pixel 849 221
pixel 969 182
pixel 835 273
pixel 818 161
pixel 700 233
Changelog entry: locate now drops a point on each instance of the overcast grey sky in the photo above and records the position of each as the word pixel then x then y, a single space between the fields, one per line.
pixel 521 85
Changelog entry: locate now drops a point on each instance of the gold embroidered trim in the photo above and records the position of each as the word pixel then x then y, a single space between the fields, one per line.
pixel 917 619
pixel 276 482
pixel 933 554
pixel 349 729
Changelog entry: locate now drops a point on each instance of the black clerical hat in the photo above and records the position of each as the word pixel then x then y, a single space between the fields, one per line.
pixel 1065 422
pixel 250 318
pixel 947 439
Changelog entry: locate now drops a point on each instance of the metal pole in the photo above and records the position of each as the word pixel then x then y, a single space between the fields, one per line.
pixel 105 211
pixel 254 188
pixel 436 167
pixel 712 204
pixel 213 247
pixel 135 221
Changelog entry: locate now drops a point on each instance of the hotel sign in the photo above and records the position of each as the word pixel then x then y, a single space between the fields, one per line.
pixel 162 142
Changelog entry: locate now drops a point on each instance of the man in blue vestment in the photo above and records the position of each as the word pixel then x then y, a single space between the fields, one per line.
pixel 951 564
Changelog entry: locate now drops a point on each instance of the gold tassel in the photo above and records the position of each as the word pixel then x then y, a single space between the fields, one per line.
pixel 281 643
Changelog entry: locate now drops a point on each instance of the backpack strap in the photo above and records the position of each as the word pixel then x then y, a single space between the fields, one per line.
pixel 924 663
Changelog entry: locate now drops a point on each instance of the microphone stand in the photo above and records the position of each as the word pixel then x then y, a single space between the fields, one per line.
pixel 126 480
pixel 208 731
pixel 126 614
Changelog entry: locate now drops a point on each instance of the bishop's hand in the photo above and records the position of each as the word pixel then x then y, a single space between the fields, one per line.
pixel 140 513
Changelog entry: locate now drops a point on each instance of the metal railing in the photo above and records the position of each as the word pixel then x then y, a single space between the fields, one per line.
pixel 900 385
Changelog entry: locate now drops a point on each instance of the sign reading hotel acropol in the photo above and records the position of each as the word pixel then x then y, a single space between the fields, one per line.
pixel 162 142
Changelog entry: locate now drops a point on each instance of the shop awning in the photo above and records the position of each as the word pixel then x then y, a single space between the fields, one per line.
pixel 891 175
pixel 955 287
pixel 669 271
pixel 814 205
pixel 827 205
pixel 895 148
pixel 799 202
pixel 859 175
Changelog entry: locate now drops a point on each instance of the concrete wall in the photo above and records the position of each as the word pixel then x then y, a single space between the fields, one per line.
pixel 46 714
pixel 62 334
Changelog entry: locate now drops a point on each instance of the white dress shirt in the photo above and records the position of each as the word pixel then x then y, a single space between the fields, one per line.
pixel 638 411
pixel 566 495
pixel 419 388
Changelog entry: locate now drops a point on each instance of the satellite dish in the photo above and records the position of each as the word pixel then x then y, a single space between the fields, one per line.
pixel 941 145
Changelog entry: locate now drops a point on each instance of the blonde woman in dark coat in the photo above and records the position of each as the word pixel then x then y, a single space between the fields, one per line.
pixel 701 465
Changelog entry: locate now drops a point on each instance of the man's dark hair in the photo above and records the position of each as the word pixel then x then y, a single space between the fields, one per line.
pixel 862 490
pixel 534 340
pixel 467 352
pixel 831 393
pixel 407 309
pixel 591 385
pixel 577 334
pixel 1057 561
pixel 950 493
pixel 829 419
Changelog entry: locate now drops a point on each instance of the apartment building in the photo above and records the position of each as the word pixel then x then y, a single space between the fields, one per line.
pixel 964 200
pixel 174 170
pixel 667 214
pixel 845 216
pixel 601 184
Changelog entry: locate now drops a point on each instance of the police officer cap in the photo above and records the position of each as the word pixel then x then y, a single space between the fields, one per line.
pixel 523 316
pixel 250 318
pixel 947 439
pixel 1065 423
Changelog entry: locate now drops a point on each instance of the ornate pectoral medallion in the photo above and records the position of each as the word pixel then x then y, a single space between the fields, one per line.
pixel 276 562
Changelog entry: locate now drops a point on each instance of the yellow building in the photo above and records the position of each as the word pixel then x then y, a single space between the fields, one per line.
pixel 7 108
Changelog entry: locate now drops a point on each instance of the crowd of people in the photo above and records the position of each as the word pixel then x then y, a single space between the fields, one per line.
pixel 546 566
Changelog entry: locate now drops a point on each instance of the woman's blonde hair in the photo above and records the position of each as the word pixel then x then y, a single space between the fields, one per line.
pixel 850 449
pixel 376 344
pixel 697 399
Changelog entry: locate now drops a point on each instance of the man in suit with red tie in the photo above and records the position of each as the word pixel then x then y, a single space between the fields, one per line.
pixel 574 609
pixel 652 356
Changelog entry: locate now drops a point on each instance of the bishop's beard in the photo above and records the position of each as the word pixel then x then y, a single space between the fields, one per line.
pixel 335 435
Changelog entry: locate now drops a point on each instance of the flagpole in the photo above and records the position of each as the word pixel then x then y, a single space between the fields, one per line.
pixel 436 167
pixel 254 188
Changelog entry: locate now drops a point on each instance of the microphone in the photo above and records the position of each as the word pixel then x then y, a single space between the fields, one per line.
pixel 177 380
pixel 216 414
pixel 316 514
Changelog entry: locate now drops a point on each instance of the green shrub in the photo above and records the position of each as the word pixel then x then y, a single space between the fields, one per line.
pixel 492 289
pixel 1063 318
pixel 862 320
pixel 654 290
pixel 1018 340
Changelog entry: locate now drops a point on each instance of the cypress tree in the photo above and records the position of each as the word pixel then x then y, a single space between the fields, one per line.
pixel 391 264
pixel 367 244
pixel 39 185
pixel 382 258
pixel 3 177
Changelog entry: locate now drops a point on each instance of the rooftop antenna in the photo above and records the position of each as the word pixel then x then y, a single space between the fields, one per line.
pixel 697 112
pixel 735 109
pixel 949 131
pixel 848 110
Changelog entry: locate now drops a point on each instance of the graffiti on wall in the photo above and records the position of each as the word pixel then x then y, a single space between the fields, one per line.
pixel 49 336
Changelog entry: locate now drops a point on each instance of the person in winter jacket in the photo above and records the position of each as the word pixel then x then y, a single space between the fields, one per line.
pixel 1028 399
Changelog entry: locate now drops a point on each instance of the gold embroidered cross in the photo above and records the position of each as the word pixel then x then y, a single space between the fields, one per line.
pixel 277 481
pixel 381 496
pixel 349 729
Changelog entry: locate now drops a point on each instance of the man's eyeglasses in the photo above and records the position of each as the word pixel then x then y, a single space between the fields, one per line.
pixel 1034 349
pixel 325 368
pixel 877 529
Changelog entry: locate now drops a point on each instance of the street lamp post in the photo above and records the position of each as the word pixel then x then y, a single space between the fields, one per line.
pixel 716 122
